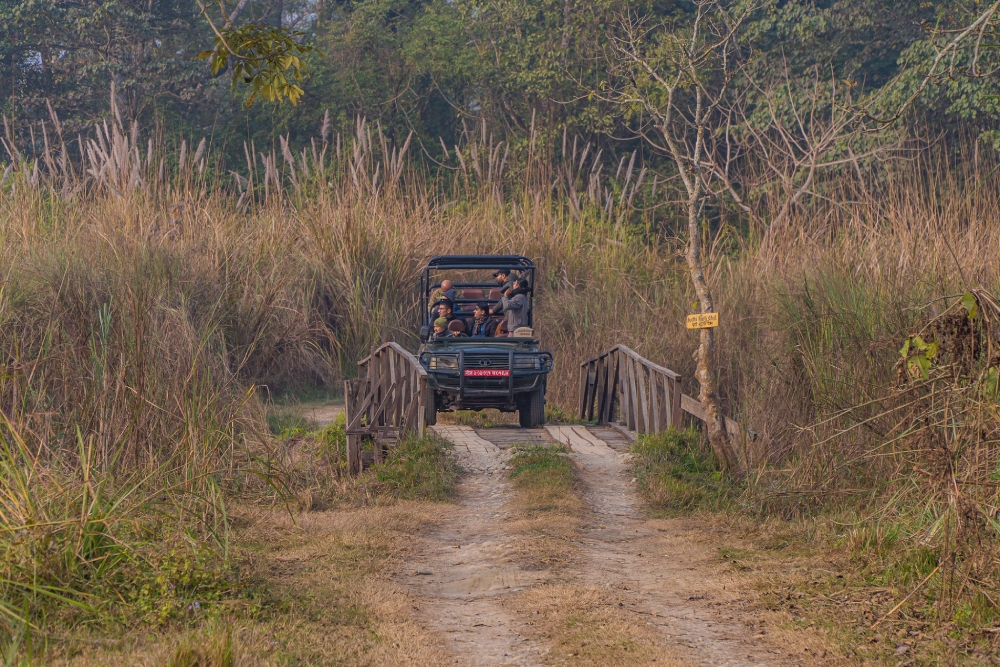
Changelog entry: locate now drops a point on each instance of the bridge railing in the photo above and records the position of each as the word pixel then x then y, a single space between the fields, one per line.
pixel 386 402
pixel 644 396
pixel 647 394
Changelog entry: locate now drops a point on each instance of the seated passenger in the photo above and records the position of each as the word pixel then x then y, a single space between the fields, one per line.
pixel 482 325
pixel 440 305
pixel 515 305
pixel 448 292
pixel 444 310
pixel 441 328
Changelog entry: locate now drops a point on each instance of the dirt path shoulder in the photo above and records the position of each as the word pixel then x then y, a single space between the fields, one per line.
pixel 468 563
pixel 626 590
pixel 657 567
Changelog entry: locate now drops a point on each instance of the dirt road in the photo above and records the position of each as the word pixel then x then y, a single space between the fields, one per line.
pixel 622 589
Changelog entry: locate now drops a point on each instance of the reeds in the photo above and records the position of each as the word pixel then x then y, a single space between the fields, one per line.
pixel 149 303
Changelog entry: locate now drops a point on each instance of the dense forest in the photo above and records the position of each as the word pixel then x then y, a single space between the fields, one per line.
pixel 437 68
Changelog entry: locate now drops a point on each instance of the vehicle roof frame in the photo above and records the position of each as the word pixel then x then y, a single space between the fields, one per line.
pixel 465 262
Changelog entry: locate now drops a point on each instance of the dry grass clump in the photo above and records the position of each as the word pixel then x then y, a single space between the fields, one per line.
pixel 586 625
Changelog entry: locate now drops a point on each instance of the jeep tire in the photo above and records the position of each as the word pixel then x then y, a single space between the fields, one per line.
pixel 531 409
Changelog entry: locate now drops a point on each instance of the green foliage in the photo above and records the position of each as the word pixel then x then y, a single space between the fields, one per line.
pixel 181 582
pixel 268 59
pixel 88 545
pixel 918 356
pixel 417 469
pixel 675 473
pixel 530 462
pixel 333 440
pixel 544 473
pixel 287 424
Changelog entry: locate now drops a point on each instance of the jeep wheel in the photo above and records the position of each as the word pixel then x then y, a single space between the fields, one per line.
pixel 531 410
pixel 430 409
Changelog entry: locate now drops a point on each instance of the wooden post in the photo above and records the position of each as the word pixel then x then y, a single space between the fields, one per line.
pixel 615 380
pixel 676 414
pixel 643 374
pixel 352 388
pixel 654 389
pixel 421 405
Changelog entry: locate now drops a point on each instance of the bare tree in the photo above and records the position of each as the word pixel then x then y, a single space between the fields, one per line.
pixel 675 81
pixel 686 90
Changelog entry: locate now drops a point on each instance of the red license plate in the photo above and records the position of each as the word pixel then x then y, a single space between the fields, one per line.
pixel 486 373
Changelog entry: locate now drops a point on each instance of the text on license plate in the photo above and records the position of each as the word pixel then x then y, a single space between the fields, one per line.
pixel 486 373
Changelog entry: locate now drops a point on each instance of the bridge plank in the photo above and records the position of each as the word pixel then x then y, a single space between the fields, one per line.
pixel 466 437
pixel 504 438
pixel 613 437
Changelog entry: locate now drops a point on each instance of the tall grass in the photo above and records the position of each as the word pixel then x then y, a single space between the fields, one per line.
pixel 151 299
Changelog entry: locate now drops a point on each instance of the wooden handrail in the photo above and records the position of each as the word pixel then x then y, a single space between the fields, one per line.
pixel 403 352
pixel 647 395
pixel 385 403
pixel 636 356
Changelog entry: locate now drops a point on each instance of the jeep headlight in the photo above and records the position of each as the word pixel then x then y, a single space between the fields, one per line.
pixel 528 363
pixel 443 363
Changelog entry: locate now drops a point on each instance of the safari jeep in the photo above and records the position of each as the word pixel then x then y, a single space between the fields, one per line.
pixel 506 371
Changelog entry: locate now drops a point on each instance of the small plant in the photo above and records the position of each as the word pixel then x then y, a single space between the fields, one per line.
pixel 545 472
pixel 212 647
pixel 675 473
pixel 419 469
pixel 287 425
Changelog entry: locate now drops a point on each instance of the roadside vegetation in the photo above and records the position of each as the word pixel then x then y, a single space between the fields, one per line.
pixel 544 478
pixel 150 307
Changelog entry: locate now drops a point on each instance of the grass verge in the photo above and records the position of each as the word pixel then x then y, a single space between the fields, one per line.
pixel 674 473
pixel 544 478
pixel 300 587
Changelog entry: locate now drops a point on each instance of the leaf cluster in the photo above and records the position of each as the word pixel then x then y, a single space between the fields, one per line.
pixel 267 58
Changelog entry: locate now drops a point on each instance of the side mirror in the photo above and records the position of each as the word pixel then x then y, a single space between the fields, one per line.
pixel 424 333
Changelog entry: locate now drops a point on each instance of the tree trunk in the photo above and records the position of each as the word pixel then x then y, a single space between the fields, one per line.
pixel 717 434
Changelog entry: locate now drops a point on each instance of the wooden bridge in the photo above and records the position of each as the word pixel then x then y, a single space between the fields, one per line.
pixel 621 395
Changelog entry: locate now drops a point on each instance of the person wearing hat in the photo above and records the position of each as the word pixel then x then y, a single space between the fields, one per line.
pixel 515 305
pixel 448 292
pixel 441 328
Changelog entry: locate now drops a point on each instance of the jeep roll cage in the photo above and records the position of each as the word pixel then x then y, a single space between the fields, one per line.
pixel 524 266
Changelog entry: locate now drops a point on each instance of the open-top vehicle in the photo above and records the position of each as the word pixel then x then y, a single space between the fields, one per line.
pixel 505 371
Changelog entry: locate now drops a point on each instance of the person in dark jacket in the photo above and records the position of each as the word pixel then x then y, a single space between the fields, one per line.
pixel 441 328
pixel 482 325
pixel 515 306
pixel 444 309
pixel 448 292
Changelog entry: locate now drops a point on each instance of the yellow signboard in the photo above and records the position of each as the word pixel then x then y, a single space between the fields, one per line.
pixel 702 320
